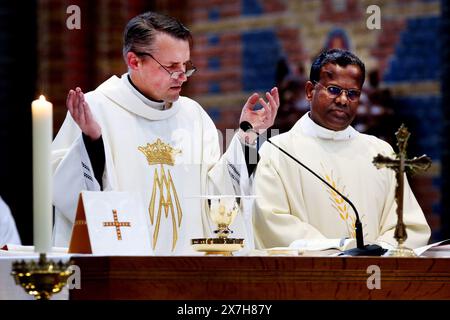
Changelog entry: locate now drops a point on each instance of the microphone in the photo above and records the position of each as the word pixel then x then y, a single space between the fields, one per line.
pixel 361 249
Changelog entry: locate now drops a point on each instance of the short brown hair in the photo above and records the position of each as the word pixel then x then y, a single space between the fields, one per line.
pixel 140 31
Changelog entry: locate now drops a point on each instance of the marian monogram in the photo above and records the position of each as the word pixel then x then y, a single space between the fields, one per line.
pixel 163 154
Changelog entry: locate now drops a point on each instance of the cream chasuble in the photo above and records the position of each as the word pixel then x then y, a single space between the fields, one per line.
pixel 167 156
pixel 293 204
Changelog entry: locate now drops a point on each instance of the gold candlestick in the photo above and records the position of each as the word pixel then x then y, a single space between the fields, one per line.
pixel 41 279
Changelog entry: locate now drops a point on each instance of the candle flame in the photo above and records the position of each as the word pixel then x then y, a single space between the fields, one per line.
pixel 42 98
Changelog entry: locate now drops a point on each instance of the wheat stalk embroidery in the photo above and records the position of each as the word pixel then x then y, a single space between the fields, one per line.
pixel 339 204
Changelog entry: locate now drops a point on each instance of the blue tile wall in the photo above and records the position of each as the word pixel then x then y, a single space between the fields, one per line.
pixel 214 14
pixel 423 116
pixel 213 87
pixel 213 63
pixel 214 113
pixel 213 39
pixel 416 56
pixel 260 51
pixel 251 7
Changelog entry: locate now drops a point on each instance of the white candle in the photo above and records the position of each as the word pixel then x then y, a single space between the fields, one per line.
pixel 42 175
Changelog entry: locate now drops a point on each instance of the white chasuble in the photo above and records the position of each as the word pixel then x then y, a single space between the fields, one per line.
pixel 168 156
pixel 293 204
pixel 8 229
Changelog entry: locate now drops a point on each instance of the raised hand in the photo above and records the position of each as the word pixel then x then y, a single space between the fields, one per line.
pixel 263 118
pixel 81 113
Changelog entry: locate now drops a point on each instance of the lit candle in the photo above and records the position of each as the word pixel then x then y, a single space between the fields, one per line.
pixel 42 176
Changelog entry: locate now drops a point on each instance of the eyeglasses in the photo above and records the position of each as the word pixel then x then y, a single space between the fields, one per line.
pixel 335 91
pixel 190 69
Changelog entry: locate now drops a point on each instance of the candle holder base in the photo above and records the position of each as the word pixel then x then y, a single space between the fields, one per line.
pixel 41 279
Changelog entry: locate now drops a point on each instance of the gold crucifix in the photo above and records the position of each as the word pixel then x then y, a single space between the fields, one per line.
pixel 400 164
pixel 117 224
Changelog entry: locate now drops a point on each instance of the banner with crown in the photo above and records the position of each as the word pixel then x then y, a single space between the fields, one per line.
pixel 112 223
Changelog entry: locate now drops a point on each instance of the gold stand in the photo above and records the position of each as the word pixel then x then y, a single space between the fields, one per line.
pixel 217 246
pixel 401 251
pixel 223 210
pixel 41 279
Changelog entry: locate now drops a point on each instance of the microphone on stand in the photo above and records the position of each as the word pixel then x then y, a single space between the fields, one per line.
pixel 361 249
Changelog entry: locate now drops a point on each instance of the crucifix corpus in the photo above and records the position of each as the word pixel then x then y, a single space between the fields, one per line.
pixel 401 164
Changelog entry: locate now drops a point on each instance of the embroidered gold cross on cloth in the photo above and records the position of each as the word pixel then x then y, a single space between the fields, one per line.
pixel 102 217
pixel 117 224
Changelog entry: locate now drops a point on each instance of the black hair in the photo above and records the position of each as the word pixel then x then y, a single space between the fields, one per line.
pixel 340 57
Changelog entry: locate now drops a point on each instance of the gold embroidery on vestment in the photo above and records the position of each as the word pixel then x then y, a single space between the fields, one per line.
pixel 340 205
pixel 162 153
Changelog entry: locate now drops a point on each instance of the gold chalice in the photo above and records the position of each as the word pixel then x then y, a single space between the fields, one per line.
pixel 223 210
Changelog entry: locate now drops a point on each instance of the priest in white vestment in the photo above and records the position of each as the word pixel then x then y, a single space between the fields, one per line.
pixel 8 229
pixel 136 133
pixel 293 204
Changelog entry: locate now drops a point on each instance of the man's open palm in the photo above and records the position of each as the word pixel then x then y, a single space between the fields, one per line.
pixel 81 113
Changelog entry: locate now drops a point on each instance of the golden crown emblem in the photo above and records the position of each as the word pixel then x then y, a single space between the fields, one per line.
pixel 159 153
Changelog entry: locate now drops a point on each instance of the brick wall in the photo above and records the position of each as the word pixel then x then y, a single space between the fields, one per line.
pixel 240 42
pixel 82 57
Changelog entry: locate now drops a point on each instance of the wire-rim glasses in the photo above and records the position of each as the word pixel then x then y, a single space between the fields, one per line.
pixel 190 69
pixel 335 91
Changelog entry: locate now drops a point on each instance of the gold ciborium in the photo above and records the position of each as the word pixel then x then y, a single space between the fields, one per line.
pixel 222 210
pixel 41 279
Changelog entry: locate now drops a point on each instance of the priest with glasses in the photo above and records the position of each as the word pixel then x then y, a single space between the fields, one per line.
pixel 293 204
pixel 138 133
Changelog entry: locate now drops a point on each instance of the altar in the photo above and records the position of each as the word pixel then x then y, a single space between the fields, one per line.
pixel 261 278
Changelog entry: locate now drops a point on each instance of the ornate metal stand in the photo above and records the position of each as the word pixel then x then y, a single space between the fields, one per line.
pixel 41 279
pixel 218 246
pixel 401 251
pixel 400 164
pixel 222 213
